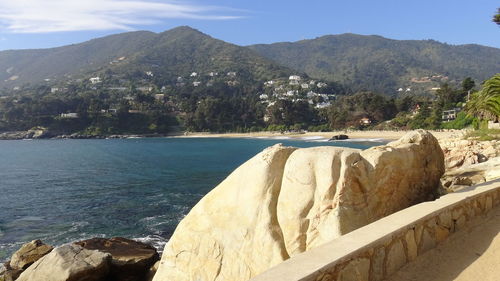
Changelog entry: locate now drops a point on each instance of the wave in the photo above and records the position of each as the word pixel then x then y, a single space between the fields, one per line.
pixel 310 138
pixel 364 140
pixel 320 140
pixel 155 241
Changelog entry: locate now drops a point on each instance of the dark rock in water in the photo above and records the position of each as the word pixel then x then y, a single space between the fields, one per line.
pixel 28 254
pixel 130 260
pixel 339 137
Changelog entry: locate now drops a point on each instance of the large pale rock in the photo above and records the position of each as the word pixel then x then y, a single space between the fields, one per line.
pixel 29 253
pixel 130 260
pixel 330 191
pixel 69 263
pixel 286 200
pixel 232 233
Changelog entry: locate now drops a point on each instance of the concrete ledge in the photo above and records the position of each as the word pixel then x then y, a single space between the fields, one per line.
pixel 379 249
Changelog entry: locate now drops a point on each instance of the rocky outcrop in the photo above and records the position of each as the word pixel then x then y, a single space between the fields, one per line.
pixel 29 253
pixel 99 259
pixel 342 190
pixel 459 152
pixel 130 260
pixel 469 162
pixel 456 179
pixel 33 133
pixel 69 263
pixel 236 218
pixel 285 200
pixel 22 259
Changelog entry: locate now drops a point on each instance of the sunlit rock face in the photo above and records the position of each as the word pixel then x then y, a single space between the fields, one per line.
pixel 285 201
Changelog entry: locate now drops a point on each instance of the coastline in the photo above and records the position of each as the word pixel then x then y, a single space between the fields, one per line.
pixel 369 135
pixel 353 135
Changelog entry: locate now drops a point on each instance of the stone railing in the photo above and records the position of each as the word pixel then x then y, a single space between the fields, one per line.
pixel 381 248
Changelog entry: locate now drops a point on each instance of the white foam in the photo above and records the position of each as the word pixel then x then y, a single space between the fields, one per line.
pixel 313 138
pixel 153 240
pixel 320 140
pixel 366 140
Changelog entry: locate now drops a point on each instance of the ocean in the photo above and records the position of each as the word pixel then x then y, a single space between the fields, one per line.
pixel 61 191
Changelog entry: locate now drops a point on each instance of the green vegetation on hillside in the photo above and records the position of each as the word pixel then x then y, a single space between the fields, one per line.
pixel 168 55
pixel 143 82
pixel 393 67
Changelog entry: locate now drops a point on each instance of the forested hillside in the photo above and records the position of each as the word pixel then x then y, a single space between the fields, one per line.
pixel 384 65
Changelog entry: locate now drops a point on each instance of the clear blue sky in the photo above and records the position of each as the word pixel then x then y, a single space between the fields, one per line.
pixel 50 23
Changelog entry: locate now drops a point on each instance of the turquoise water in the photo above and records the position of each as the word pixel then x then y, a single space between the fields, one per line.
pixel 66 190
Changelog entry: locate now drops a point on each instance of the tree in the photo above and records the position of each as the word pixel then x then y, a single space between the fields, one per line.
pixel 496 17
pixel 468 84
pixel 485 104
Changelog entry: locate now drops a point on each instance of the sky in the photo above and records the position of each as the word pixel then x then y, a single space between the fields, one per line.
pixel 26 24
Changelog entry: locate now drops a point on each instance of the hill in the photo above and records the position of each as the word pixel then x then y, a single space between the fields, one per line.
pixel 32 66
pixel 384 65
pixel 170 54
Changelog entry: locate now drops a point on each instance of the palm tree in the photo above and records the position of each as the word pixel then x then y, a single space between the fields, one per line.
pixel 485 104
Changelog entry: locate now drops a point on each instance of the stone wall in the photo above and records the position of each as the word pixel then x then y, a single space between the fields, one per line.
pixel 379 249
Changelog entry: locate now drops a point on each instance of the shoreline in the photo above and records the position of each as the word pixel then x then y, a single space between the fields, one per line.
pixel 319 136
pixel 353 135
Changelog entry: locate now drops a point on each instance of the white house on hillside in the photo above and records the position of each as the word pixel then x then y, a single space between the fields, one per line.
pixel 95 80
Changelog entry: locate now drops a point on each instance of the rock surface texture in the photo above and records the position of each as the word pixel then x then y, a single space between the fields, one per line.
pixel 29 253
pixel 459 152
pixel 69 263
pixel 130 260
pixel 285 201
pixel 469 162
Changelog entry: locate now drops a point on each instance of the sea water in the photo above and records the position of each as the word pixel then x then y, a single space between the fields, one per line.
pixel 67 190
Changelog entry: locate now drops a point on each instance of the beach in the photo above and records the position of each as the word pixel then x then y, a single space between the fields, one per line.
pixel 353 135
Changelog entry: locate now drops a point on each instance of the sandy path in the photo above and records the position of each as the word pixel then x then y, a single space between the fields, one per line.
pixel 471 254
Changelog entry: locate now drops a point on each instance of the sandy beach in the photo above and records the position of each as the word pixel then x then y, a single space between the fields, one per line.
pixel 358 135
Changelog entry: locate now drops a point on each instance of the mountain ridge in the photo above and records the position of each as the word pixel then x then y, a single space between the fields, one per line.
pixel 175 48
pixel 361 62
pixel 373 62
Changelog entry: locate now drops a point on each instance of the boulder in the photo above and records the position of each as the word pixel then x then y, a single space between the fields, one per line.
pixel 329 191
pixel 232 233
pixel 130 260
pixel 285 201
pixel 29 253
pixel 69 263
